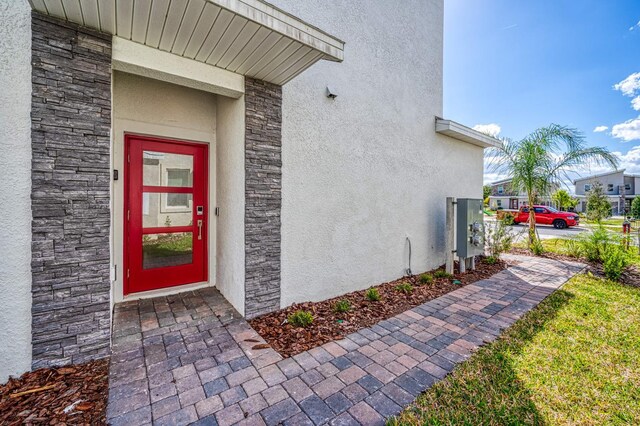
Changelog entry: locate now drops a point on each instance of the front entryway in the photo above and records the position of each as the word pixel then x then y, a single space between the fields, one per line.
pixel 165 241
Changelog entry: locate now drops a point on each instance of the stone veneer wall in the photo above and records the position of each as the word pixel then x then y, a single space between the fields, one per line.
pixel 263 196
pixel 71 121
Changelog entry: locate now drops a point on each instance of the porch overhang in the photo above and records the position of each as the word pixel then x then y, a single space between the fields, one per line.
pixel 465 134
pixel 246 37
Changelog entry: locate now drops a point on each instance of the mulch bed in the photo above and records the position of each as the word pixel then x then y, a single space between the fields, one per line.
pixel 289 340
pixel 631 276
pixel 75 395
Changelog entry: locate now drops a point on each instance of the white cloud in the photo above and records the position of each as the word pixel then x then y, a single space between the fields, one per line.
pixel 635 27
pixel 629 85
pixel 488 129
pixel 630 162
pixel 600 129
pixel 630 129
pixel 627 131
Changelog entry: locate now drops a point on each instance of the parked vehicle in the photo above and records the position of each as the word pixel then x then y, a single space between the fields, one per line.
pixel 546 215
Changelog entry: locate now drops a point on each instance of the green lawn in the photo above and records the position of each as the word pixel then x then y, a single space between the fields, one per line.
pixel 613 223
pixel 610 221
pixel 575 359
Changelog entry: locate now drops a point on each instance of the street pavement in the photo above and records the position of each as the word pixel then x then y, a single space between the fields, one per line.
pixel 544 231
pixel 547 231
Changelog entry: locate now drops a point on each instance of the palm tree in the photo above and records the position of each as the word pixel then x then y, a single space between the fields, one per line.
pixel 540 162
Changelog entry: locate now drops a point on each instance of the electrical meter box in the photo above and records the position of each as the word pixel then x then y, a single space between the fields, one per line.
pixel 469 227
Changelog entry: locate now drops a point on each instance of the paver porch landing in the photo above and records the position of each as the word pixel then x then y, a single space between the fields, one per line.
pixel 187 359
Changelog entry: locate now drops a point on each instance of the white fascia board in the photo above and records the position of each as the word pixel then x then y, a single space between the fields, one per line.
pixel 134 58
pixel 465 134
pixel 286 24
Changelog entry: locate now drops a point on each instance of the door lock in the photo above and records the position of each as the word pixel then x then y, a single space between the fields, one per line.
pixel 199 229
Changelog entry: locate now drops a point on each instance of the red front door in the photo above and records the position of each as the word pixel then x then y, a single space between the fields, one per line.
pixel 165 213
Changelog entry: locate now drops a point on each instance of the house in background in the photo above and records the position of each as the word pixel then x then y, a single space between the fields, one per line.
pixel 620 187
pixel 505 196
pixel 280 153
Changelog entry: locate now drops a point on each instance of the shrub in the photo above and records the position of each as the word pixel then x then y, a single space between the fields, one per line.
pixel 574 248
pixel 497 238
pixel 508 220
pixel 372 294
pixel 300 318
pixel 441 273
pixel 536 247
pixel 342 306
pixel 594 243
pixel 635 208
pixel 490 260
pixel 426 279
pixel 614 261
pixel 405 288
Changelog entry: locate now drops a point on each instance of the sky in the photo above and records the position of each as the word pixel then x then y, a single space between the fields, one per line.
pixel 511 66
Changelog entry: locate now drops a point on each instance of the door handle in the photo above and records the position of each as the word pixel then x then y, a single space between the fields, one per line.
pixel 199 229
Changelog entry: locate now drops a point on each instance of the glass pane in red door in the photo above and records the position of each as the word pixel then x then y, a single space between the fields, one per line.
pixel 162 250
pixel 161 209
pixel 167 169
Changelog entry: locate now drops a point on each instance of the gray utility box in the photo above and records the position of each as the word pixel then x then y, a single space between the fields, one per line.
pixel 469 227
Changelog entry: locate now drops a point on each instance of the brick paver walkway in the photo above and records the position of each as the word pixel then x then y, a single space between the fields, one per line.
pixel 187 358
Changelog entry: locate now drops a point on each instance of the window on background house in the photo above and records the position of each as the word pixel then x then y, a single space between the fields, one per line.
pixel 179 178
pixel 587 187
pixel 610 187
pixel 500 189
pixel 499 203
pixel 627 187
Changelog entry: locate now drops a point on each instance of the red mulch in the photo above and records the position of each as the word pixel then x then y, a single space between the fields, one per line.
pixel 631 276
pixel 80 389
pixel 289 340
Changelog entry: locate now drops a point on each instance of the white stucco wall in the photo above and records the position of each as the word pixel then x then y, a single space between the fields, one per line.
pixel 155 108
pixel 15 187
pixel 366 170
pixel 230 198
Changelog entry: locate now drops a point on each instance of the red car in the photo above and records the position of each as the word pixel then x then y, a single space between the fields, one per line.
pixel 546 215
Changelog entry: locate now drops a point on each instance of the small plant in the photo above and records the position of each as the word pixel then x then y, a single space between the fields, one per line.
pixel 635 208
pixel 426 279
pixel 441 273
pixel 372 294
pixel 405 288
pixel 536 247
pixel 498 238
pixel 300 319
pixel 342 306
pixel 490 260
pixel 594 244
pixel 508 219
pixel 614 261
pixel 573 248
